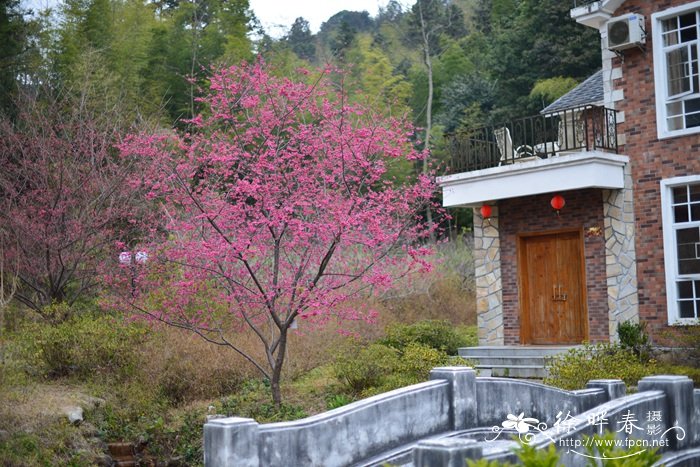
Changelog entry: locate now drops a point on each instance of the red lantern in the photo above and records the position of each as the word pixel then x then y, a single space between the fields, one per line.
pixel 485 211
pixel 557 202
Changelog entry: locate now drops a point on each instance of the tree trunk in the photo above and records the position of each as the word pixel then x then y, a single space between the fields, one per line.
pixel 277 368
pixel 428 108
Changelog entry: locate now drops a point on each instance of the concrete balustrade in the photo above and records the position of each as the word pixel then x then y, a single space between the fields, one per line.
pixel 444 421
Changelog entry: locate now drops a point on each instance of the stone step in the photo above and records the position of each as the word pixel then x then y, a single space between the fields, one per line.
pixel 515 361
pixel 521 351
pixel 510 360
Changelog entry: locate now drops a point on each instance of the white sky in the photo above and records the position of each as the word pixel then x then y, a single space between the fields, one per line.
pixel 277 15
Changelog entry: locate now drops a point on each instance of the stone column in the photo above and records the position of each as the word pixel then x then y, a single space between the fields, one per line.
pixel 620 256
pixel 618 209
pixel 487 273
pixel 680 406
pixel 231 441
pixel 614 388
pixel 462 381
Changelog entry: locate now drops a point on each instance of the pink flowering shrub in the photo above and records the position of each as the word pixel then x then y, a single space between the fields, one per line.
pixel 64 197
pixel 278 209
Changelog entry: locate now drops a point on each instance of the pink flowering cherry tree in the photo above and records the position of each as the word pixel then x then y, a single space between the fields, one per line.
pixel 277 208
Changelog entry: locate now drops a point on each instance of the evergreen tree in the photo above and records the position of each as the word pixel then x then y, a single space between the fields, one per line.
pixel 13 48
pixel 301 40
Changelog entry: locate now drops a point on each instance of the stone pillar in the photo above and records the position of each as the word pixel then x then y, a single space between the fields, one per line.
pixel 462 381
pixel 618 211
pixel 231 441
pixel 487 273
pixel 680 406
pixel 620 256
pixel 614 388
pixel 445 452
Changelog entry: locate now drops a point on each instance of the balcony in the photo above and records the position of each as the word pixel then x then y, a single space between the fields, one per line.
pixel 578 3
pixel 573 148
pixel 539 137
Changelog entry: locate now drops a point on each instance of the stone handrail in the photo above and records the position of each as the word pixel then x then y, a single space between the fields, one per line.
pixel 430 424
pixel 335 438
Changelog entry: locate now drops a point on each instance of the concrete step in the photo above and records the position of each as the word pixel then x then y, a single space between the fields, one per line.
pixel 519 350
pixel 510 360
pixel 513 361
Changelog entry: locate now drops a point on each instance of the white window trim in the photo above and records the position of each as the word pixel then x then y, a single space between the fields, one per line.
pixel 670 252
pixel 660 78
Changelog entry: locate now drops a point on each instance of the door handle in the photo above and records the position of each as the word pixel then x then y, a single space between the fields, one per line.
pixel 558 294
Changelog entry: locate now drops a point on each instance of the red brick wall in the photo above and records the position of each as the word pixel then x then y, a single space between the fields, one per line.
pixel 651 160
pixel 584 208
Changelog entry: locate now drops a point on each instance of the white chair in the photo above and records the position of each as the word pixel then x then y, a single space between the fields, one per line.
pixel 504 142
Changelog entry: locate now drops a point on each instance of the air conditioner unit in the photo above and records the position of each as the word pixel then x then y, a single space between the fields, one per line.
pixel 625 32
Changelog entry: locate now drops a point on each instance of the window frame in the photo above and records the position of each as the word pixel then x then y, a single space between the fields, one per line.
pixel 661 75
pixel 670 248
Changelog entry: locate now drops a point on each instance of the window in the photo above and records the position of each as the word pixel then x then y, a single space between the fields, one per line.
pixel 680 198
pixel 676 50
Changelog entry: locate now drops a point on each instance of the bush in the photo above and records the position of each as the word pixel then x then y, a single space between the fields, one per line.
pixel 183 380
pixel 634 337
pixel 439 335
pixel 579 365
pixel 379 368
pixel 688 338
pixel 360 369
pixel 689 371
pixel 333 401
pixel 603 446
pixel 600 447
pixel 85 345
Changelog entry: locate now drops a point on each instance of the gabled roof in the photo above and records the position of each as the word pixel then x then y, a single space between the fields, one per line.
pixel 589 92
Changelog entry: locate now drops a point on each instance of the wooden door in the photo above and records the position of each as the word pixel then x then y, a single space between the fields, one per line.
pixel 552 289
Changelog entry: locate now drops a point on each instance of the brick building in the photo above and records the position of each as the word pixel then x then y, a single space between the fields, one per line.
pixel 622 152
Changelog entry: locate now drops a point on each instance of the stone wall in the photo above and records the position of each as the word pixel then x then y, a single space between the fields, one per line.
pixel 487 274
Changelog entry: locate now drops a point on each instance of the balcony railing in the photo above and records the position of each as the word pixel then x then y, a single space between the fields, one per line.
pixel 531 138
pixel 578 3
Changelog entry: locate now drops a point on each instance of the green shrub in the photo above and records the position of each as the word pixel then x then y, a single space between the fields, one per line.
pixel 688 338
pixel 634 337
pixel 366 371
pixel 85 346
pixel 366 367
pixel 689 371
pixel 132 411
pixel 417 360
pixel 579 365
pixel 56 443
pixel 528 456
pixel 333 401
pixel 439 335
pixel 603 446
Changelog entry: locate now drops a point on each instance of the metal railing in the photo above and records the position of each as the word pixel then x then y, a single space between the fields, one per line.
pixel 578 3
pixel 541 136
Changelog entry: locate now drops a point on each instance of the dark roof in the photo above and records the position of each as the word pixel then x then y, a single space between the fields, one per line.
pixel 587 93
